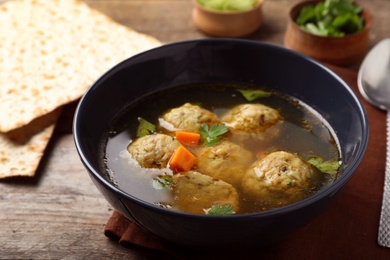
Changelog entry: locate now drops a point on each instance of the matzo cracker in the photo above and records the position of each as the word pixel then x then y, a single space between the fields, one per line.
pixel 22 149
pixel 51 51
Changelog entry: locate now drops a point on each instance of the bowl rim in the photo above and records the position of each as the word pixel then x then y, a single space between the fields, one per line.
pixel 328 191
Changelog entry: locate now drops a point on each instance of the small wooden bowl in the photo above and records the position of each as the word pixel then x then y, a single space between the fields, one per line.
pixel 227 23
pixel 343 51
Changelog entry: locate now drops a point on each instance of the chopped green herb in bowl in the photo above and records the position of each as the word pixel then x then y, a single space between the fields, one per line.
pixel 228 18
pixel 331 31
pixel 331 18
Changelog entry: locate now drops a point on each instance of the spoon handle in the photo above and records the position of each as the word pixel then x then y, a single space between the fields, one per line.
pixel 384 223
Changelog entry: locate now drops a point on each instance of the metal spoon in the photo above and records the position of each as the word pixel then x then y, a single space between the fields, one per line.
pixel 374 85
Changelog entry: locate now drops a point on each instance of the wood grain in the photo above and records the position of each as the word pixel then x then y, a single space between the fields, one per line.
pixel 59 214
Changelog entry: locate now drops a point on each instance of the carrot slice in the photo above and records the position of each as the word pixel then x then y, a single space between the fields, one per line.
pixel 188 138
pixel 182 159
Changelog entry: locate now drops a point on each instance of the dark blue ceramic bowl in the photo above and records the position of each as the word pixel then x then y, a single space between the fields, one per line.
pixel 220 60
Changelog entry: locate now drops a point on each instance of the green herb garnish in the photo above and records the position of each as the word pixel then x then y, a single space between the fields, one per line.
pixel 162 181
pixel 330 167
pixel 251 95
pixel 211 136
pixel 331 18
pixel 145 127
pixel 217 210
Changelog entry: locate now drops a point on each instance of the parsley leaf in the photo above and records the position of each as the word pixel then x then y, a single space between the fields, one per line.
pixel 162 181
pixel 330 167
pixel 253 94
pixel 145 127
pixel 223 210
pixel 211 136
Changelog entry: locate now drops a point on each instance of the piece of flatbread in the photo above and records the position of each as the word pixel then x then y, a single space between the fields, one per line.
pixel 21 150
pixel 51 51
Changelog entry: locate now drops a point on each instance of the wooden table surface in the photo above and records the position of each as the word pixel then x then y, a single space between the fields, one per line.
pixel 59 214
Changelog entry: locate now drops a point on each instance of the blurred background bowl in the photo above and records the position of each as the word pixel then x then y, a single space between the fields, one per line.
pixel 220 60
pixel 227 23
pixel 344 51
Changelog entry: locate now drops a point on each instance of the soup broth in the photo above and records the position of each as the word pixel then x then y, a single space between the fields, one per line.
pixel 300 131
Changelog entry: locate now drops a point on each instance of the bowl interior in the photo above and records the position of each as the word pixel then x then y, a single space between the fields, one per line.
pixel 227 61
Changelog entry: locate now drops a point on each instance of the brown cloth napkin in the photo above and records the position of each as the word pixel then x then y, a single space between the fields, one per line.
pixel 347 229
